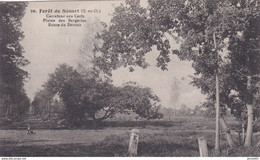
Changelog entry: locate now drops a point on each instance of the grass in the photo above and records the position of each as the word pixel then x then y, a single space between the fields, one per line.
pixel 176 138
pixel 113 145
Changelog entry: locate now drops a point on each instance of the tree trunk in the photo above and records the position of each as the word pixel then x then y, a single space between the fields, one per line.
pixel 217 135
pixel 249 131
pixel 239 138
pixel 225 128
pixel 258 144
pixel 11 109
pixel 243 133
pixel 7 111
pixel 94 121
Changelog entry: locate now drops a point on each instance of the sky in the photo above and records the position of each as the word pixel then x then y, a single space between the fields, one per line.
pixel 46 47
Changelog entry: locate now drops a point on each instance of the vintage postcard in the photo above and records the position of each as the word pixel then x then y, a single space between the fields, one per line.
pixel 130 78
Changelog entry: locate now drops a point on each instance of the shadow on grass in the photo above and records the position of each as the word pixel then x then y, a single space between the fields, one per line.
pixel 7 141
pixel 166 150
pixel 109 147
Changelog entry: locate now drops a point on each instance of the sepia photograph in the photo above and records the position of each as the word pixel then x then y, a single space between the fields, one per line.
pixel 130 78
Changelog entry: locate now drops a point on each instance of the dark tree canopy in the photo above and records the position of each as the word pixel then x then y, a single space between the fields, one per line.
pixel 12 75
pixel 87 96
pixel 140 100
pixel 134 30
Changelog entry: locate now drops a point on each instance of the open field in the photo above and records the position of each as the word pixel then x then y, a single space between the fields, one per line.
pixel 174 138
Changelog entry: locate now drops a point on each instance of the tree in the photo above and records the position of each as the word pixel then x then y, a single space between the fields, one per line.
pixel 44 103
pixel 175 91
pixel 168 113
pixel 246 46
pixel 140 100
pixel 184 110
pixel 109 100
pixel 198 110
pixel 68 84
pixel 13 98
pixel 134 30
pixel 87 52
pixel 91 97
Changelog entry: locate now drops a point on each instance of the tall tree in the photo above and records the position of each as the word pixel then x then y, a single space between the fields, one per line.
pixel 68 84
pixel 12 75
pixel 134 30
pixel 245 59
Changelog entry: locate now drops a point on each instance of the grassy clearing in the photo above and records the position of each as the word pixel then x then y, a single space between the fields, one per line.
pixel 166 144
pixel 157 138
pixel 157 144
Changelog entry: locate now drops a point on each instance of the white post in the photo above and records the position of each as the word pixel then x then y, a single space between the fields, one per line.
pixel 203 147
pixel 133 142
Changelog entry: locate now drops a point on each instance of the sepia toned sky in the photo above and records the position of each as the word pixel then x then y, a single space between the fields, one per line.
pixel 46 47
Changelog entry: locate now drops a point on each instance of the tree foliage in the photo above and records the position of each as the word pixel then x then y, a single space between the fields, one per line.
pixel 140 100
pixel 13 99
pixel 134 30
pixel 87 97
